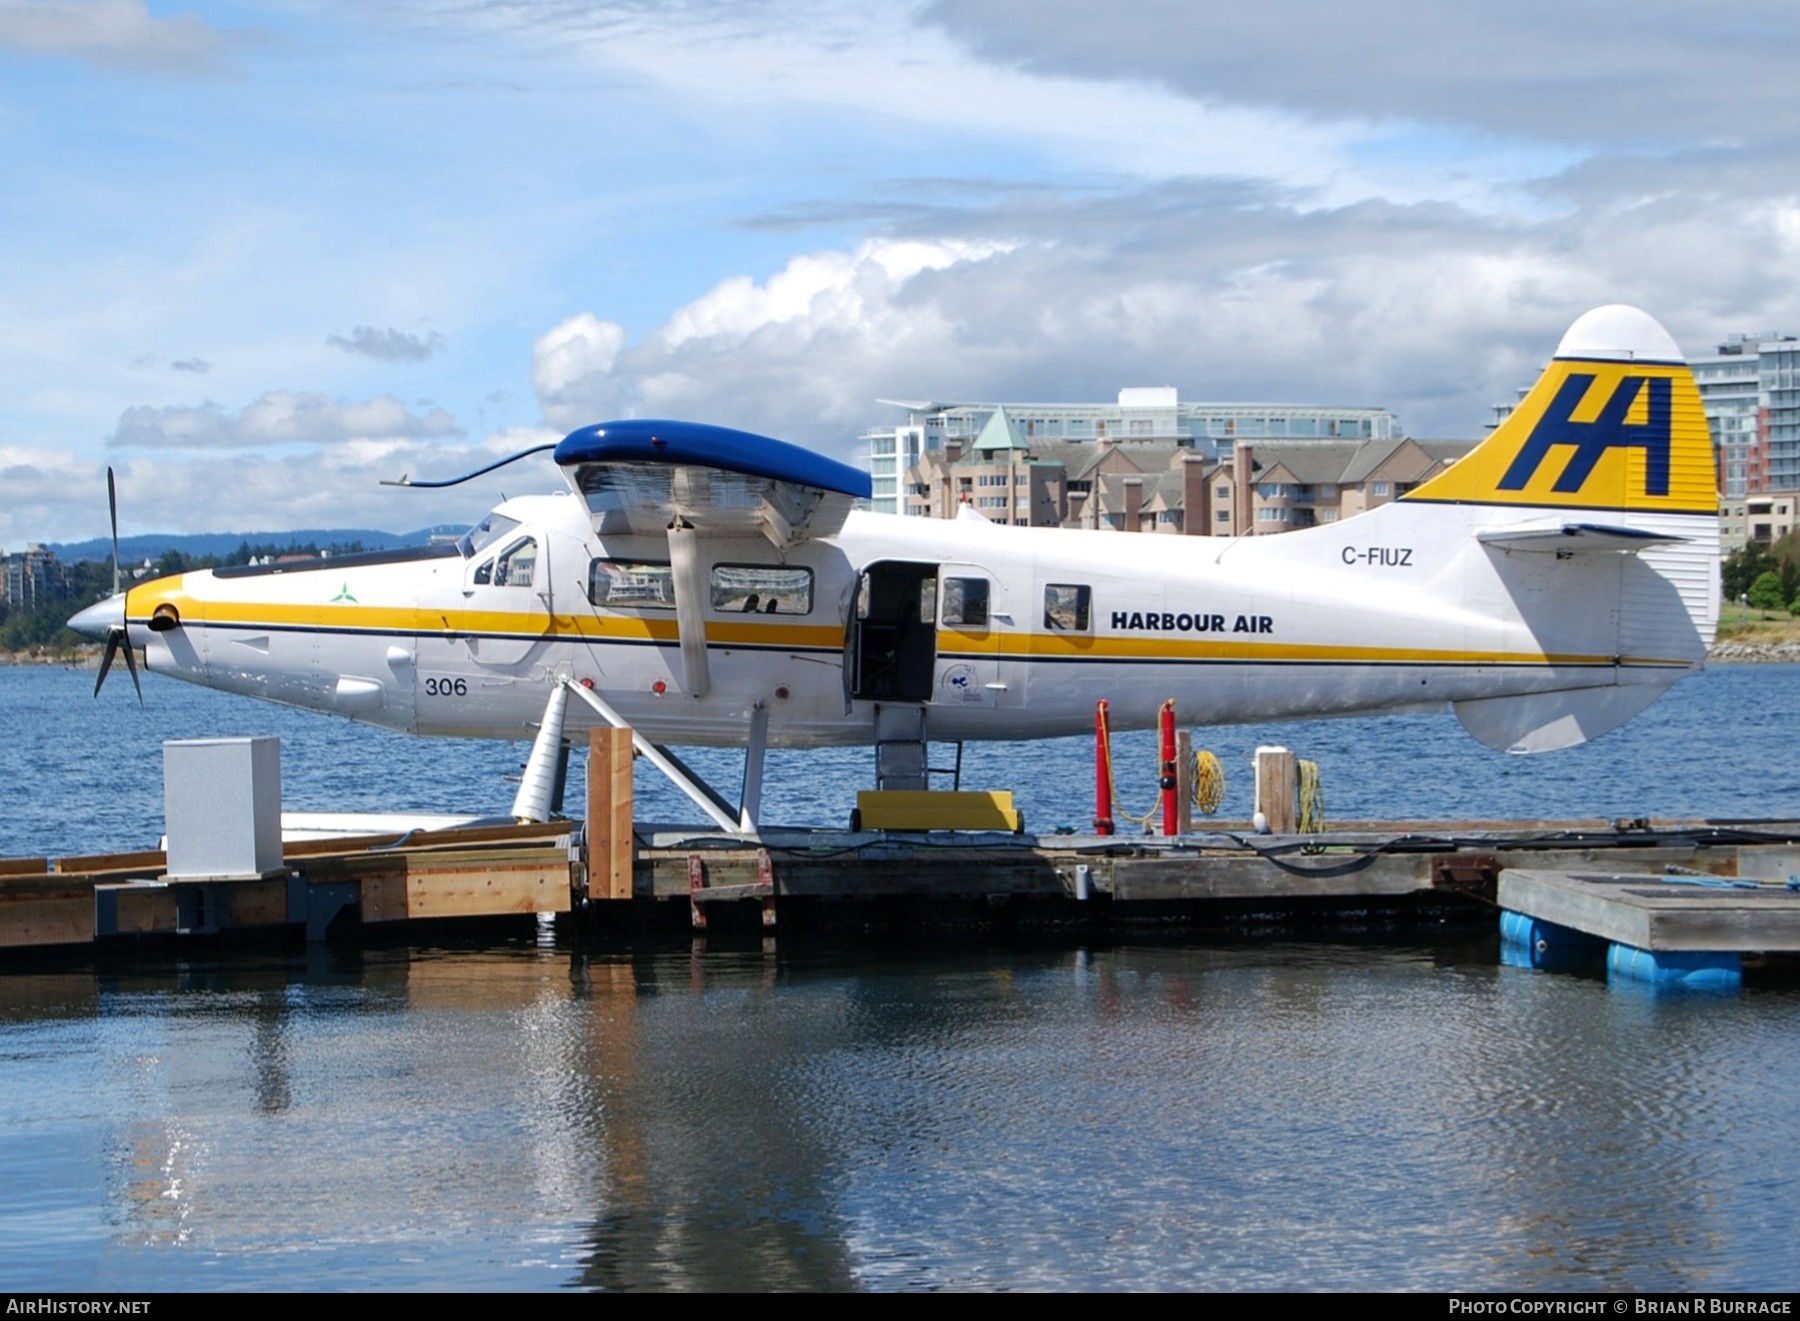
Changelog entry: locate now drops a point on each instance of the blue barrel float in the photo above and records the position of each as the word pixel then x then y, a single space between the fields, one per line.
pixel 1688 970
pixel 1531 942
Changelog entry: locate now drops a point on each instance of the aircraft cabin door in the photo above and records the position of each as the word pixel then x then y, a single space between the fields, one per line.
pixel 969 624
pixel 510 595
pixel 893 632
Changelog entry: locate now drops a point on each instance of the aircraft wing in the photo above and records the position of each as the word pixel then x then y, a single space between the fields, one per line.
pixel 1568 538
pixel 645 476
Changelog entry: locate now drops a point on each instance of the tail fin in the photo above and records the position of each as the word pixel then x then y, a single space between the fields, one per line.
pixel 1613 424
pixel 1607 455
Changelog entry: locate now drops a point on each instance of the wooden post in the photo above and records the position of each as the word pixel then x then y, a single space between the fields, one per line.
pixel 609 809
pixel 1184 775
pixel 1277 792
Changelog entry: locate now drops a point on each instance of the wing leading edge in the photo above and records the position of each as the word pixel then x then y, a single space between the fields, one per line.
pixel 644 476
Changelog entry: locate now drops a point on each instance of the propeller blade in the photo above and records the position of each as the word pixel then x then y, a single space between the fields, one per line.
pixel 131 665
pixel 116 641
pixel 106 657
pixel 112 507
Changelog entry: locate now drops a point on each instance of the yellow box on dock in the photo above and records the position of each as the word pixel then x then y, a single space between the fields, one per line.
pixel 927 809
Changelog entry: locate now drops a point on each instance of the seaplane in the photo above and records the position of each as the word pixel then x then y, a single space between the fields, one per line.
pixel 706 586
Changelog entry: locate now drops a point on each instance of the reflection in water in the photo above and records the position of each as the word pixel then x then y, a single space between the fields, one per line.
pixel 1254 1114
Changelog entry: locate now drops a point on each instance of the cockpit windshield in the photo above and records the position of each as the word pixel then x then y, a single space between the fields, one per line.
pixel 488 530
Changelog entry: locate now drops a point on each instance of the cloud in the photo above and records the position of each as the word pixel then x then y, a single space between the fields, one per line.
pixel 279 417
pixel 388 345
pixel 1427 309
pixel 571 371
pixel 1677 72
pixel 199 366
pixel 114 33
pixel 53 495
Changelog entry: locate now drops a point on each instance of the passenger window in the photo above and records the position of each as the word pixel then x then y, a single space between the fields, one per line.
pixel 1066 607
pixel 646 584
pixel 517 566
pixel 754 589
pixel 966 602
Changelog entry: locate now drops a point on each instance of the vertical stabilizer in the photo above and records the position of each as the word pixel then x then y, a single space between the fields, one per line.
pixel 1612 435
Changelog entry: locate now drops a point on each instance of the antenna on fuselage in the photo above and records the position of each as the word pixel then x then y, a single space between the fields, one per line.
pixel 469 476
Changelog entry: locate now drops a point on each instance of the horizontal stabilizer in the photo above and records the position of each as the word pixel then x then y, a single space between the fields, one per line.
pixel 1544 722
pixel 1570 538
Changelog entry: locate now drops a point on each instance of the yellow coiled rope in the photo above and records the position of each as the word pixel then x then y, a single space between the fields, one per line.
pixel 1208 792
pixel 1312 799
pixel 1209 783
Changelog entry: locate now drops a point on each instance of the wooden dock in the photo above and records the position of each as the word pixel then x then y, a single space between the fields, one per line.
pixel 615 873
pixel 801 879
pixel 1668 928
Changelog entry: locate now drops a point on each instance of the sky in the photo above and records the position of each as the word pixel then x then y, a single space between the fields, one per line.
pixel 257 257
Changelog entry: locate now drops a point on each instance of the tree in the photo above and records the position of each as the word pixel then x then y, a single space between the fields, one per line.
pixel 1766 593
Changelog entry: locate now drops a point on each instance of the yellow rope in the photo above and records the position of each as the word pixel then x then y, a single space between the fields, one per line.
pixel 1112 788
pixel 1207 794
pixel 1312 799
pixel 1209 783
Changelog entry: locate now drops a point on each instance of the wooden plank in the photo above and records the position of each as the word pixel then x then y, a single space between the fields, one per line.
pixel 1184 782
pixel 45 918
pixel 256 903
pixel 382 895
pixel 24 866
pixel 1324 875
pixel 149 862
pixel 144 910
pixel 610 808
pixel 426 840
pixel 486 891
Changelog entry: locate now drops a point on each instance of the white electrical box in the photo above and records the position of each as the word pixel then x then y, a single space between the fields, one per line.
pixel 222 806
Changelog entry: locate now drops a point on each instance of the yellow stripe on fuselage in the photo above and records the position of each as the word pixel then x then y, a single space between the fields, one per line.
pixel 952 644
pixel 1062 647
pixel 410 619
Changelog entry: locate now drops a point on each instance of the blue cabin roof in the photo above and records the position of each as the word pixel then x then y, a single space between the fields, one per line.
pixel 649 440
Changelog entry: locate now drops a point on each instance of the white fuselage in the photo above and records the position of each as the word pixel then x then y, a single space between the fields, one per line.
pixel 1397 609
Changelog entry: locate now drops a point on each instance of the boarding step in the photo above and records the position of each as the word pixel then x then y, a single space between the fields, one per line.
pixel 900 758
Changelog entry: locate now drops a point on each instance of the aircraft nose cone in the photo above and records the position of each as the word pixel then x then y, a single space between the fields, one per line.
pixel 100 618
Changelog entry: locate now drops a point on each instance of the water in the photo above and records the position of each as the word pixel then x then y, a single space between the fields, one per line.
pixel 86 775
pixel 541 1112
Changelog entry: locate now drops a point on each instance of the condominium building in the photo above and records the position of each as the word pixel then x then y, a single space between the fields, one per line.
pixel 31 577
pixel 1167 485
pixel 1140 414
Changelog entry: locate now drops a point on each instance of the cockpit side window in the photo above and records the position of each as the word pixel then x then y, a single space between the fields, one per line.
pixel 518 565
pixel 484 534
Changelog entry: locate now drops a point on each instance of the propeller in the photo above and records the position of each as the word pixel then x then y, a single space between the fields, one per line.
pixel 117 639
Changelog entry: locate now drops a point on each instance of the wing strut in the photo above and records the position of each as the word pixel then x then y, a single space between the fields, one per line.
pixel 684 779
pixel 689 576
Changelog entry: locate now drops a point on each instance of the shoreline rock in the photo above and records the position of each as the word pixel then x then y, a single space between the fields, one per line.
pixel 1754 652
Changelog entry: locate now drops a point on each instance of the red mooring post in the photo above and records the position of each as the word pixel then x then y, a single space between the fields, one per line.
pixel 1103 821
pixel 1167 780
